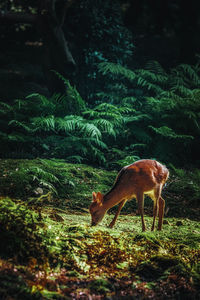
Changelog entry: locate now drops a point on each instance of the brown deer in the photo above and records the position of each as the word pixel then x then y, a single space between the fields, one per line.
pixel 142 177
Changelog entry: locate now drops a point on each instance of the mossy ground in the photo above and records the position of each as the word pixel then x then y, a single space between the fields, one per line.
pixel 57 255
pixel 70 185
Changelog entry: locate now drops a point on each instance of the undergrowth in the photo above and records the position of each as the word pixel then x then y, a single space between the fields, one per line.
pixel 66 250
pixel 69 186
pixel 49 251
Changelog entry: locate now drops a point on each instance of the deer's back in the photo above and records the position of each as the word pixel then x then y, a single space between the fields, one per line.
pixel 144 174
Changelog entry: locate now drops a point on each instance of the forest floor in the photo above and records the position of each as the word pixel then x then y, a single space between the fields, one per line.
pixel 48 249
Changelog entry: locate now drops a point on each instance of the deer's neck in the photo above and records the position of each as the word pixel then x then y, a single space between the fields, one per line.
pixel 112 198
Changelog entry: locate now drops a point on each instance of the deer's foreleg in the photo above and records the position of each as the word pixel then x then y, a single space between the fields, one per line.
pixel 117 213
pixel 155 213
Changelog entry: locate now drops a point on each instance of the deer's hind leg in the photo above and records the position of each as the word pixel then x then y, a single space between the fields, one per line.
pixel 140 201
pixel 155 197
pixel 161 212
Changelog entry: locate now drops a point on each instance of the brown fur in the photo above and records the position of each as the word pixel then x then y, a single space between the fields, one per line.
pixel 134 181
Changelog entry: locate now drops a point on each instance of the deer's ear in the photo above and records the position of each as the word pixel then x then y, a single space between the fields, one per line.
pixel 94 197
pixel 99 197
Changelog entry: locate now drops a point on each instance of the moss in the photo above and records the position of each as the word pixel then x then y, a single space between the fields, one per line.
pixel 76 251
pixel 41 227
pixel 33 178
pixel 12 286
pixel 160 266
pixel 101 286
pixel 19 232
pixel 71 186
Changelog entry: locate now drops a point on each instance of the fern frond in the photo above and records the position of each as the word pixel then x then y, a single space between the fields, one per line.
pixel 75 159
pixel 5 108
pixel 170 133
pixel 79 125
pixel 189 71
pixel 72 93
pixel 127 160
pixel 116 69
pixel 136 118
pixel 27 128
pixel 133 146
pixel 98 155
pixel 98 143
pixel 69 123
pixel 155 67
pixel 91 130
pixel 140 134
pixel 40 173
pixel 106 111
pixel 43 123
pixel 128 100
pixel 105 126
pixel 106 107
pixel 19 138
pixel 43 100
pixel 181 90
pixel 19 103
pixel 152 77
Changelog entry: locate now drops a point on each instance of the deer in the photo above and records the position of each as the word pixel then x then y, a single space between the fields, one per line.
pixel 143 177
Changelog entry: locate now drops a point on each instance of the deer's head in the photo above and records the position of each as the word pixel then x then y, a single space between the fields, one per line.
pixel 97 209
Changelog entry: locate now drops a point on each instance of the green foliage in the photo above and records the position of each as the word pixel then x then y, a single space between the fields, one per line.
pixel 77 252
pixel 25 178
pixel 45 127
pixel 101 286
pixel 52 182
pixel 19 232
pixel 166 108
pixel 74 101
pixel 12 285
pixel 185 182
pixel 168 132
pixel 101 21
pixel 51 249
pixel 142 113
pixel 41 126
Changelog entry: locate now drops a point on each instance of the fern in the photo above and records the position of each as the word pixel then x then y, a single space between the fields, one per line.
pixel 105 126
pixel 5 108
pixel 92 131
pixel 44 175
pixel 156 68
pixel 168 132
pixel 22 125
pixel 75 159
pixel 69 123
pixel 190 72
pixel 136 118
pixel 127 160
pixel 75 98
pixel 43 178
pixel 43 123
pixel 116 69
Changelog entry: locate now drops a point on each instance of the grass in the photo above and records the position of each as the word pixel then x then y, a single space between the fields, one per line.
pixel 49 250
pixel 70 185
pixel 69 257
